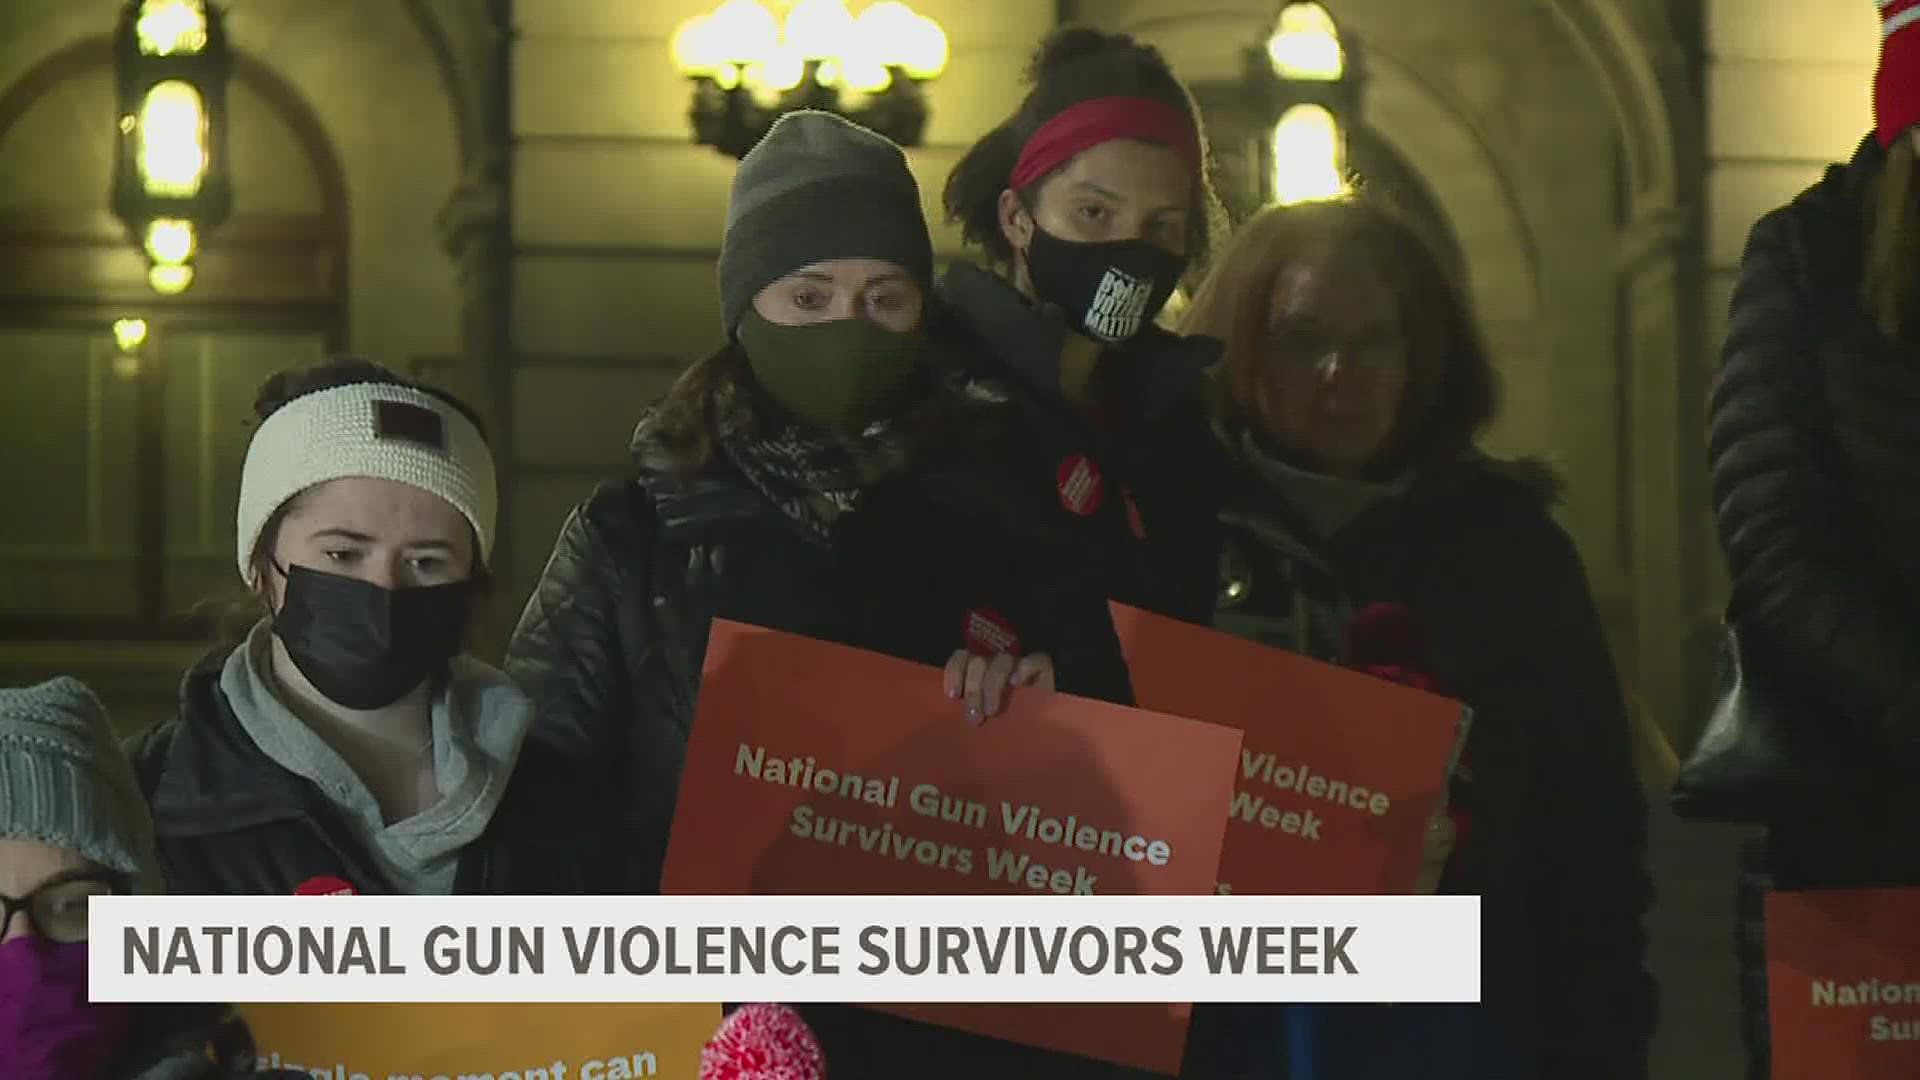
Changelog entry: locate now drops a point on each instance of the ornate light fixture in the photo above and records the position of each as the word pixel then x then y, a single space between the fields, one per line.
pixel 749 66
pixel 1309 77
pixel 170 185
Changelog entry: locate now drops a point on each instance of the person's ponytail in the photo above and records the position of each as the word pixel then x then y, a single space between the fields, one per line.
pixel 972 193
pixel 1890 286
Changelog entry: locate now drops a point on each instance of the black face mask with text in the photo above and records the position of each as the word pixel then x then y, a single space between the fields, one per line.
pixel 364 646
pixel 1109 290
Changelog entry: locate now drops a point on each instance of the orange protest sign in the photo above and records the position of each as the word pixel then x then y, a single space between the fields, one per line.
pixel 545 1041
pixel 1340 773
pixel 820 769
pixel 1843 984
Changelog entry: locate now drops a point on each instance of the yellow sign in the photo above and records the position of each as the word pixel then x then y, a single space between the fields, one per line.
pixel 545 1041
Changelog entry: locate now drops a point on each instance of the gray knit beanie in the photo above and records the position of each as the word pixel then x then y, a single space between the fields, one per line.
pixel 65 782
pixel 818 186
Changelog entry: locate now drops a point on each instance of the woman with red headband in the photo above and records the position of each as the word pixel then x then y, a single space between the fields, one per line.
pixel 1091 201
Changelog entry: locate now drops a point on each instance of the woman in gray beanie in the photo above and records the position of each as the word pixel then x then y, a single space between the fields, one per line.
pixel 73 826
pixel 815 476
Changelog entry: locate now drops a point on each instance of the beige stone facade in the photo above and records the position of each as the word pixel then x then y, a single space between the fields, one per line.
pixel 504 197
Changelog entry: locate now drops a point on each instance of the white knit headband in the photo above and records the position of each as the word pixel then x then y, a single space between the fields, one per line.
pixel 375 430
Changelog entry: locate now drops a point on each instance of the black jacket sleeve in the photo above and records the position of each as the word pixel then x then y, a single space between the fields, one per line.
pixel 1791 535
pixel 1081 640
pixel 1551 726
pixel 579 652
pixel 1596 888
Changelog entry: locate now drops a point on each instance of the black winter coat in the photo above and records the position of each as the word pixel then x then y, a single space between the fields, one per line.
pixel 1815 455
pixel 1815 451
pixel 190 1042
pixel 1150 536
pixel 229 820
pixel 612 642
pixel 1557 843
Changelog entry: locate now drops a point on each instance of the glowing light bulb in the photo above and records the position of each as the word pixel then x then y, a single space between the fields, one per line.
pixel 173 133
pixel 779 73
pixel 925 55
pixel 170 241
pixel 693 51
pixel 170 280
pixel 1308 157
pixel 1306 45
pixel 129 334
pixel 819 29
pixel 170 27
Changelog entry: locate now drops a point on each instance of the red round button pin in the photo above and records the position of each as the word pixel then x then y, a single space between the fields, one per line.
pixel 988 633
pixel 1080 484
pixel 325 886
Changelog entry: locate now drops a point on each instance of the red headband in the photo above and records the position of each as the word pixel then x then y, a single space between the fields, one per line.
pixel 1099 120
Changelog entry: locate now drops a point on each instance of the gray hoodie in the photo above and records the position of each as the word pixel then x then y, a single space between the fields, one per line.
pixel 479 722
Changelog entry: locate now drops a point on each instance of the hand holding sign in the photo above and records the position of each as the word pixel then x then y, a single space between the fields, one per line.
pixel 982 673
pixel 983 682
pixel 815 768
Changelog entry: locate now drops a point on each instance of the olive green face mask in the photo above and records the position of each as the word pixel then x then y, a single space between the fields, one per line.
pixel 840 376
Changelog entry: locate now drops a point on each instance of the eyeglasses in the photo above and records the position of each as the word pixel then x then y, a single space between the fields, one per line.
pixel 57 910
pixel 1311 348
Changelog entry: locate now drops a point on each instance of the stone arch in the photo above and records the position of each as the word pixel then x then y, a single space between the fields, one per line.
pixel 1501 254
pixel 1639 65
pixel 465 39
pixel 1386 174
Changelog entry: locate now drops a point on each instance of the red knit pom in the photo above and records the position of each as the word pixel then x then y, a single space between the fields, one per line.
pixel 763 1042
pixel 1385 634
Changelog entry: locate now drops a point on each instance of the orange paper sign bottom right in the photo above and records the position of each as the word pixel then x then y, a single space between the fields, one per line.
pixel 1843 984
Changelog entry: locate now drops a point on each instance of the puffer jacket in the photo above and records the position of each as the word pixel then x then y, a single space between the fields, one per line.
pixel 611 645
pixel 1557 843
pixel 229 820
pixel 1815 458
pixel 1144 516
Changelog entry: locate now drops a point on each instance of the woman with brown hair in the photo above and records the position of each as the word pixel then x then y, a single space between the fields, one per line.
pixel 816 475
pixel 1352 390
pixel 1814 444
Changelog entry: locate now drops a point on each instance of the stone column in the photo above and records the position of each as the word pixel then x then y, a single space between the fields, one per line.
pixel 1664 450
pixel 475 233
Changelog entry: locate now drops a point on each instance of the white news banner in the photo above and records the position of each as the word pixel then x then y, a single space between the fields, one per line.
pixel 799 949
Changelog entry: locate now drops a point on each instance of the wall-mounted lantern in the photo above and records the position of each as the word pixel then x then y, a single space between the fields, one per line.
pixel 1310 77
pixel 750 65
pixel 170 185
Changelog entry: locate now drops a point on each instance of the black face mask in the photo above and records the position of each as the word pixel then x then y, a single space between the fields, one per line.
pixel 1110 290
pixel 364 646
